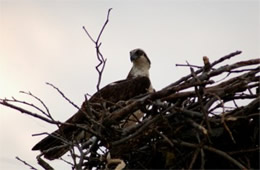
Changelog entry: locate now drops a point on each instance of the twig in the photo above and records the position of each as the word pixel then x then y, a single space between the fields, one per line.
pixel 101 59
pixel 63 95
pixel 188 65
pixel 43 104
pixel 22 110
pixel 67 162
pixel 90 37
pixel 25 163
pixel 102 29
pixel 77 107
pixel 226 57
pixel 199 92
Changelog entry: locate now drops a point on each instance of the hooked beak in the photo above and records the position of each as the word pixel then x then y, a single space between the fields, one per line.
pixel 133 57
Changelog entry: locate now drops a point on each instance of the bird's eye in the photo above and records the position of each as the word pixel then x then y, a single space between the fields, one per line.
pixel 138 52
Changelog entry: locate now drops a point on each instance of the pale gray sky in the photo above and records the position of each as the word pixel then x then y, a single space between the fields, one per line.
pixel 43 41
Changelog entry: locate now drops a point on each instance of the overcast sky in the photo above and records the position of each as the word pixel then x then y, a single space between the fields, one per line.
pixel 43 41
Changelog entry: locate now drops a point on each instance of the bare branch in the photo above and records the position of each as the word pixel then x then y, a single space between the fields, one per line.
pixel 25 163
pixel 100 57
pixel 22 110
pixel 63 95
pixel 43 104
pixel 103 28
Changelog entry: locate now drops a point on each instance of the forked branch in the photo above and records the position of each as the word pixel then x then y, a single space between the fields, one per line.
pixel 102 61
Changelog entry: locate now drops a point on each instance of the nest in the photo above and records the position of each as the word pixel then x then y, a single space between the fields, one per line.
pixel 195 122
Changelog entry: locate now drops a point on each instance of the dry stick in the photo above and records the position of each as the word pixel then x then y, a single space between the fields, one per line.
pixel 66 98
pixel 43 104
pixel 102 64
pixel 189 65
pixel 183 79
pixel 77 107
pixel 107 20
pixel 67 162
pixel 47 113
pixel 63 95
pixel 24 162
pixel 226 57
pixel 197 91
pixel 228 68
pixel 100 57
pixel 5 103
pixel 14 100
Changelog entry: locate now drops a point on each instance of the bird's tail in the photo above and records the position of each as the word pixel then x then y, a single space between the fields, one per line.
pixel 53 146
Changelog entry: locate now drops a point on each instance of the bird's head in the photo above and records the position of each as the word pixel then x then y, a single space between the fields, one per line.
pixel 139 58
pixel 141 63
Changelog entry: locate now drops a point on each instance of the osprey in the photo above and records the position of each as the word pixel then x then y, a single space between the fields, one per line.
pixel 136 83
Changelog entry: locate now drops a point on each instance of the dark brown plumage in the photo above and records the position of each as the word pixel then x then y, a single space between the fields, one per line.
pixel 123 90
pixel 137 83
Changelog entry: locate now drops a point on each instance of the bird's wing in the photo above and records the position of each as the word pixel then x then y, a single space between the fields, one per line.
pixel 122 90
